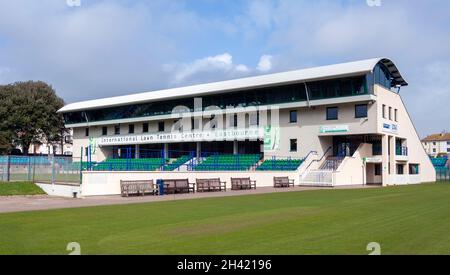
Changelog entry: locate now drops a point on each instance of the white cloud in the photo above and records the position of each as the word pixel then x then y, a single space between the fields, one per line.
pixel 211 68
pixel 265 63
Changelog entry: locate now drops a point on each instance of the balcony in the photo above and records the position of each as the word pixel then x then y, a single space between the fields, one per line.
pixel 401 153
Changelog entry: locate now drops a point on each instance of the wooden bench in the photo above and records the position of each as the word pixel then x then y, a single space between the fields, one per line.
pixel 138 187
pixel 210 185
pixel 242 184
pixel 282 182
pixel 176 186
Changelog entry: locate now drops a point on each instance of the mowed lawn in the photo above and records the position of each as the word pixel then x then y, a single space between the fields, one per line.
pixel 404 220
pixel 19 188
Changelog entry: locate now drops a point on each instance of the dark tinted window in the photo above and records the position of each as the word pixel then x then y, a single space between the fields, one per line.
pixel 117 129
pixel 293 145
pixel 104 131
pixel 131 129
pixel 361 111
pixel 293 116
pixel 332 113
pixel 145 128
pixel 161 126
pixel 86 132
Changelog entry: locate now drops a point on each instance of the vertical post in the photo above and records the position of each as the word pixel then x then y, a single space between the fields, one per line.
pixel 235 147
pixel 8 168
pixel 29 169
pixel 81 165
pixel 34 169
pixel 199 150
pixel 166 151
pixel 53 169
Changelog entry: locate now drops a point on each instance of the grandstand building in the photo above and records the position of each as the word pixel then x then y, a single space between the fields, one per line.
pixel 342 124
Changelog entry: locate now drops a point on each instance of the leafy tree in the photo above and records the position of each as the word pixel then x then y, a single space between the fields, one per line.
pixel 28 113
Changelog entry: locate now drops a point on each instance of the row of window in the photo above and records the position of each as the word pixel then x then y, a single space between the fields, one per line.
pixel 145 129
pixel 395 118
pixel 413 169
pixel 255 97
pixel 333 113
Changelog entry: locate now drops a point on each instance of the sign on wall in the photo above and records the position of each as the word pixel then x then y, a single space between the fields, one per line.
pixel 185 136
pixel 334 129
pixel 271 138
pixel 390 128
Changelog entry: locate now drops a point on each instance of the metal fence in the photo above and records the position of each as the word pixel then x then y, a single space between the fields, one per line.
pixel 443 174
pixel 45 169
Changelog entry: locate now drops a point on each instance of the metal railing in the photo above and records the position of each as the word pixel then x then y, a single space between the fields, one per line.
pixel 401 151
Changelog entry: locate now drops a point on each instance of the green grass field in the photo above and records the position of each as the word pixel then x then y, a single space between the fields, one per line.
pixel 404 220
pixel 19 188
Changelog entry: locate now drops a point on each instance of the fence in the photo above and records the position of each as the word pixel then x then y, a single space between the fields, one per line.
pixel 443 174
pixel 46 169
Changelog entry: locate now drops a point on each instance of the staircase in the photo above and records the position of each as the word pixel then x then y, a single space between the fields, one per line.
pixel 323 176
pixel 331 163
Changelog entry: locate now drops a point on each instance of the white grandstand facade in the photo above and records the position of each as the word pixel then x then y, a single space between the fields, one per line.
pixel 343 124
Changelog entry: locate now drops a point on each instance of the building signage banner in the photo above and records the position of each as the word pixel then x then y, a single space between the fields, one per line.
pixel 334 129
pixel 390 128
pixel 271 138
pixel 185 136
pixel 376 159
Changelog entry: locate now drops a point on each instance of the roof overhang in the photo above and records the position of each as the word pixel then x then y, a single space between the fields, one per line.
pixel 299 76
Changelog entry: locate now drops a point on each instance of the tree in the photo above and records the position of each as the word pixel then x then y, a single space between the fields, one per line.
pixel 28 113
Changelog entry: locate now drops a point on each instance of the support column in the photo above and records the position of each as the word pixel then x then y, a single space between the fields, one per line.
pixel 166 150
pixel 235 147
pixel 136 151
pixel 385 157
pixel 199 150
pixel 392 156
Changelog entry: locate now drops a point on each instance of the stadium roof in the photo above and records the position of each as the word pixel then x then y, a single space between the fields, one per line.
pixel 298 76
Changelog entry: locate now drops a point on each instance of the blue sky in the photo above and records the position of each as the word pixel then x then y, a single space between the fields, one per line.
pixel 112 47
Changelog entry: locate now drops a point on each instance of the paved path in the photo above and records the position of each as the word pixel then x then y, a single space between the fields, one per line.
pixel 31 203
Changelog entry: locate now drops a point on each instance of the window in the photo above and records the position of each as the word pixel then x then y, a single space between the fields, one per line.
pixel 332 113
pixel 434 150
pixel 434 143
pixel 377 169
pixel 161 126
pixel 384 111
pixel 234 121
pixel 395 115
pixel 131 129
pixel 117 129
pixel 390 113
pixel 400 168
pixel 86 132
pixel 361 111
pixel 145 128
pixel 414 169
pixel 293 144
pixel 293 116
pixel 448 142
pixel 104 130
pixel 254 119
pixel 448 150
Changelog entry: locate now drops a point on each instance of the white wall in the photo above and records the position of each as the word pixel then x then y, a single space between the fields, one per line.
pixel 108 183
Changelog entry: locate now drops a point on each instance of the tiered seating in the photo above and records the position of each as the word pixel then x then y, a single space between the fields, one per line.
pixel 147 164
pixel 177 163
pixel 439 162
pixel 280 165
pixel 228 163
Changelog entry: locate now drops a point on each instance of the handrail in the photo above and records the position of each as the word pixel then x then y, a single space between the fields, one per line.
pixel 324 154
